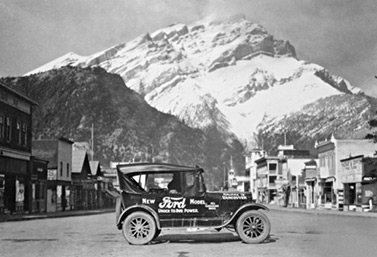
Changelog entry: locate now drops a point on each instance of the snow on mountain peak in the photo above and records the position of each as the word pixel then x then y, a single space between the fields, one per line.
pixel 231 73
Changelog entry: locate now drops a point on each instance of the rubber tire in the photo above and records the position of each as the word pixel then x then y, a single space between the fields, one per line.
pixel 139 228
pixel 261 232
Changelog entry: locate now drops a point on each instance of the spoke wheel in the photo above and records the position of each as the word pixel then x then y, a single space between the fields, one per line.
pixel 253 227
pixel 139 228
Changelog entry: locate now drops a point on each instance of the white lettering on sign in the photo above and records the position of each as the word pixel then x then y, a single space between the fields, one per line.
pixel 197 202
pixel 191 211
pixel 230 196
pixel 173 202
pixel 163 211
pixel 148 201
pixel 212 206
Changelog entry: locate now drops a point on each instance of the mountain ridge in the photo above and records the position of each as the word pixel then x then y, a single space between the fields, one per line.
pixel 231 74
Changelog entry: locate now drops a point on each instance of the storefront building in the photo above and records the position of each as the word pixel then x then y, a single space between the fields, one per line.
pixel 311 183
pixel 84 184
pixel 251 169
pixel 330 152
pixel 15 150
pixel 58 153
pixel 38 185
pixel 268 172
pixel 359 178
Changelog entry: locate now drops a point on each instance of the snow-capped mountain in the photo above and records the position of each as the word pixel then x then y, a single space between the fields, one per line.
pixel 232 74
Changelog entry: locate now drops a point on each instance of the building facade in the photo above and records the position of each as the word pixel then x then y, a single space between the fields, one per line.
pixel 58 153
pixel 15 150
pixel 359 178
pixel 330 152
pixel 269 170
pixel 311 182
pixel 251 169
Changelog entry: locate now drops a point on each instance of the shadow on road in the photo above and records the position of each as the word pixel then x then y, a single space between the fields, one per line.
pixel 200 238
pixel 196 238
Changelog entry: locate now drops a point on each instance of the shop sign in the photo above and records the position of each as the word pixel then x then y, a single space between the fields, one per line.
pixel 369 179
pixel 52 174
pixel 368 193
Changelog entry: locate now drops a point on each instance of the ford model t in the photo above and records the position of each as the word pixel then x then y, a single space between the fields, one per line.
pixel 158 196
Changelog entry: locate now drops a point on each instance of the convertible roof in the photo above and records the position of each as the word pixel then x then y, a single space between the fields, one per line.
pixel 154 168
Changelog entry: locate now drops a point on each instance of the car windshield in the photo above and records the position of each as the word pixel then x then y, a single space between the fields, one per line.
pixel 173 182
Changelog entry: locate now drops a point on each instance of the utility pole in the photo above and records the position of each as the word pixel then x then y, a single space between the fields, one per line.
pixel 92 152
pixel 224 175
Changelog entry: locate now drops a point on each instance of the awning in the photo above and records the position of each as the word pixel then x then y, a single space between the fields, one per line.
pixel 330 179
pixel 310 179
pixel 112 193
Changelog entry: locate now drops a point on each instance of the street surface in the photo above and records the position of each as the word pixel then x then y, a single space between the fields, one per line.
pixel 292 234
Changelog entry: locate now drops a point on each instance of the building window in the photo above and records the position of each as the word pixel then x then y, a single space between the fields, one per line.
pixel 15 101
pixel 24 134
pixel 3 96
pixel 8 129
pixel 272 167
pixel 18 128
pixel 61 169
pixel 271 180
pixel 2 127
pixel 322 161
pixel 68 170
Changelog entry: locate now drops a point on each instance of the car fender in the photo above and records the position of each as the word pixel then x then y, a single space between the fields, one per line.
pixel 242 209
pixel 132 209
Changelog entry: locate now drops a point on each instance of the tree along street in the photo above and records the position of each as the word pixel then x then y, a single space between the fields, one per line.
pixel 292 234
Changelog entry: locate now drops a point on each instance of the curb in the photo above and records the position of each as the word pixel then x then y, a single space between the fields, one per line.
pixel 34 216
pixel 323 212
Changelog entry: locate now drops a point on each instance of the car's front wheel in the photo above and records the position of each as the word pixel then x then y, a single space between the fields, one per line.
pixel 139 228
pixel 253 227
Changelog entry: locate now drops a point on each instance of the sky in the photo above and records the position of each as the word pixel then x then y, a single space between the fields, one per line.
pixel 340 35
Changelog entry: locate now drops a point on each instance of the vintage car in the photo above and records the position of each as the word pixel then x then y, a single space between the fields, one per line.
pixel 157 196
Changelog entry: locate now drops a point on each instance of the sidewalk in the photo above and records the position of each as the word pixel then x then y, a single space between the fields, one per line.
pixel 33 216
pixel 274 207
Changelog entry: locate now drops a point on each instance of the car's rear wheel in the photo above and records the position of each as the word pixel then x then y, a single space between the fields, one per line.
pixel 139 228
pixel 253 227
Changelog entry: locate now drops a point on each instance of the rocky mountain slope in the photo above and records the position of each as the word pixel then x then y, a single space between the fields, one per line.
pixel 345 116
pixel 126 128
pixel 231 74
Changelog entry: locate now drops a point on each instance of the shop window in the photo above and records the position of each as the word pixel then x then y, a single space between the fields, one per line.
pixel 352 193
pixel 328 195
